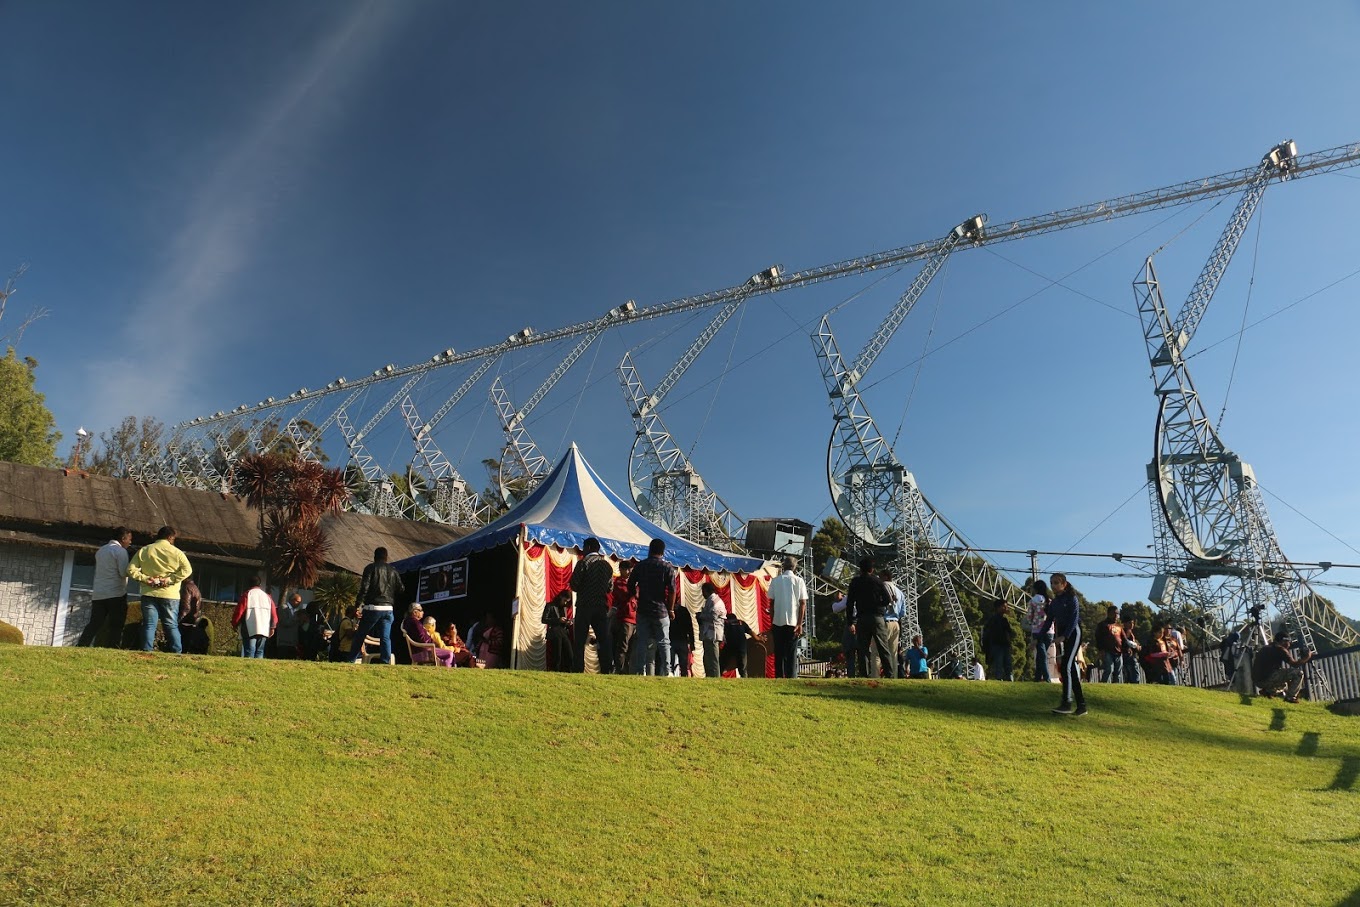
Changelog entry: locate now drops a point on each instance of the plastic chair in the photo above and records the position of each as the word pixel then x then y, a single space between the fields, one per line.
pixel 420 652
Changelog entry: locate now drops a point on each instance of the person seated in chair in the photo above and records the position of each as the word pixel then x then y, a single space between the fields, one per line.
pixel 462 655
pixel 424 647
pixel 343 640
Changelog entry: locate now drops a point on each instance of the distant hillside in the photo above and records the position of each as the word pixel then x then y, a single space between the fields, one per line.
pixel 150 779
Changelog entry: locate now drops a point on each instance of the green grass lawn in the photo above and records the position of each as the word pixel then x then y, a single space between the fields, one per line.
pixel 154 779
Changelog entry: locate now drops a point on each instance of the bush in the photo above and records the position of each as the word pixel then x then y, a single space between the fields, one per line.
pixel 10 635
pixel 825 650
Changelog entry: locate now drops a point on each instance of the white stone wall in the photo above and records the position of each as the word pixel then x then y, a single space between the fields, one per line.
pixel 30 585
pixel 77 617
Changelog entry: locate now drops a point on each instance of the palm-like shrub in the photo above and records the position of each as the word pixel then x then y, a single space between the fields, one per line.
pixel 291 495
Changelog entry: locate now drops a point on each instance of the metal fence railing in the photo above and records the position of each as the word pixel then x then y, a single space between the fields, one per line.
pixel 1342 670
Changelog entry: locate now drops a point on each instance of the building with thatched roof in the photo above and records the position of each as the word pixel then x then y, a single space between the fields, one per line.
pixel 53 520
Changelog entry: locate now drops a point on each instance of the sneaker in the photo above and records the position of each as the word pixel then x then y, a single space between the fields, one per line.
pixel 1081 710
pixel 1064 709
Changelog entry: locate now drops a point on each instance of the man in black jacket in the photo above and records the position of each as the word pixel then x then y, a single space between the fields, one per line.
pixel 998 633
pixel 378 590
pixel 1064 616
pixel 866 602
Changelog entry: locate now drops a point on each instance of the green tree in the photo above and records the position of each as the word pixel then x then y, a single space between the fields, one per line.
pixel 830 540
pixel 127 446
pixel 27 429
pixel 335 592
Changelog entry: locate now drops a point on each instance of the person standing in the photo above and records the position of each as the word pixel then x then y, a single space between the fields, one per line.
pixel 735 633
pixel 622 619
pixel 865 605
pixel 592 580
pixel 682 642
pixel 1176 641
pixel 1131 650
pixel 1110 642
pixel 788 606
pixel 918 659
pixel 653 583
pixel 195 630
pixel 557 618
pixel 849 639
pixel 711 629
pixel 997 635
pixel 108 606
pixel 378 590
pixel 289 631
pixel 255 619
pixel 1064 617
pixel 1042 641
pixel 892 619
pixel 160 567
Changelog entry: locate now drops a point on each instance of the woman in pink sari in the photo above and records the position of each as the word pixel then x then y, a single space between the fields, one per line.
pixel 491 647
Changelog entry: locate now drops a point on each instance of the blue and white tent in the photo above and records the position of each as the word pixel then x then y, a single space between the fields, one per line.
pixel 572 504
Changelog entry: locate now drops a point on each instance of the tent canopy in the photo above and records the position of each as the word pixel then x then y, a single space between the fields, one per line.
pixel 571 505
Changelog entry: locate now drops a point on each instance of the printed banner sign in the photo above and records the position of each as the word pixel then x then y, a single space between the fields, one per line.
pixel 443 581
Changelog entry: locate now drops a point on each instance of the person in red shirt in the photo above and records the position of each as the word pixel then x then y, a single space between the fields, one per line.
pixel 622 618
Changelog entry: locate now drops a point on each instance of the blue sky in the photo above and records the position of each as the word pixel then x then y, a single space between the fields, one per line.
pixel 222 203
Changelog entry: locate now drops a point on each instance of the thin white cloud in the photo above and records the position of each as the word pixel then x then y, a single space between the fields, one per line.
pixel 225 218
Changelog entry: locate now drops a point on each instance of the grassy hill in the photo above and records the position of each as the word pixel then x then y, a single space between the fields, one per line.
pixel 151 779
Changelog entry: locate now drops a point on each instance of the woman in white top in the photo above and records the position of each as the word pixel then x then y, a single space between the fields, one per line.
pixel 256 617
pixel 1043 642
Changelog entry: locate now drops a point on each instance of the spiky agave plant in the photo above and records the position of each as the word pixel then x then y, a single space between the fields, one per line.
pixel 295 551
pixel 291 495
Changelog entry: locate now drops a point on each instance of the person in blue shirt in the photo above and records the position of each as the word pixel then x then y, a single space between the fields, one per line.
pixel 918 665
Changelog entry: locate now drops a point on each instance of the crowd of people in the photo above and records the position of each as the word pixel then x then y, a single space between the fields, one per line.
pixel 636 624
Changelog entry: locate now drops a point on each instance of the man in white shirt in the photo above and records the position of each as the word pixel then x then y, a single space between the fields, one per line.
pixel 108 606
pixel 893 618
pixel 788 603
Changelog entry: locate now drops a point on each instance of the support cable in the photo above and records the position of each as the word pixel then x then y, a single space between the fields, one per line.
pixel 1314 522
pixel 727 366
pixel 1246 309
pixel 585 383
pixel 1139 491
pixel 1280 311
pixel 925 345
pixel 1015 305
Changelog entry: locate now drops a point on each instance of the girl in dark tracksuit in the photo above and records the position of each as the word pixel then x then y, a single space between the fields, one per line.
pixel 1064 617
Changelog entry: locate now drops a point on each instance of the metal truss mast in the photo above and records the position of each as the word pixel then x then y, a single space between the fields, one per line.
pixel 665 486
pixel 1218 558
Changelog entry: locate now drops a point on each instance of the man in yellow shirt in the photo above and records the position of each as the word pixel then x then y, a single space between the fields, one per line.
pixel 160 567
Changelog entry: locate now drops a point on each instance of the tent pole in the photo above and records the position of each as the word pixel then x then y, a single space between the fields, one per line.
pixel 519 588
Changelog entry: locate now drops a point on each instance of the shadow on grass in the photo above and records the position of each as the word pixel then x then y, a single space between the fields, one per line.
pixel 1308 746
pixel 1020 704
pixel 947 696
pixel 1346 774
pixel 1351 900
